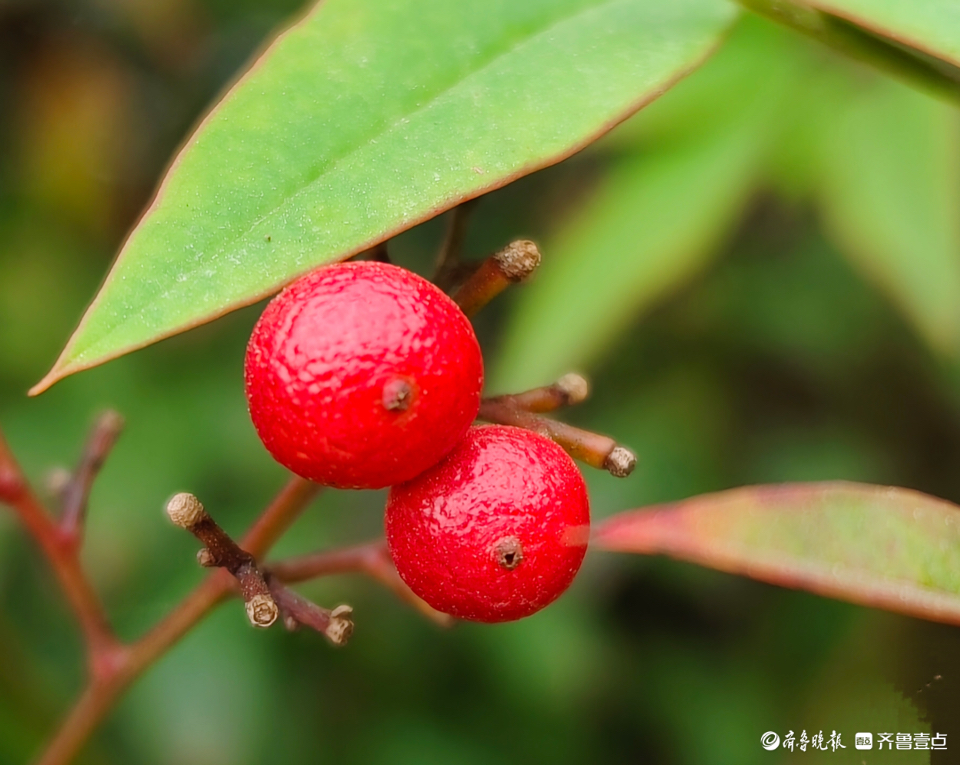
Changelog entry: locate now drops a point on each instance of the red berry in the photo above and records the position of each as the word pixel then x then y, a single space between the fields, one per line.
pixel 496 530
pixel 362 375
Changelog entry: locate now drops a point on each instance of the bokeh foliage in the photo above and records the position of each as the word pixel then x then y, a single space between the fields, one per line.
pixel 733 267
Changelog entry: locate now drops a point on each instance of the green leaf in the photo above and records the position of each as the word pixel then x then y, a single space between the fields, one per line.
pixel 891 195
pixel 931 27
pixel 659 215
pixel 918 41
pixel 877 546
pixel 366 118
pixel 653 223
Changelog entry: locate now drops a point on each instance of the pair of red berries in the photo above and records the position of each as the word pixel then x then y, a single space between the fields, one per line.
pixel 364 375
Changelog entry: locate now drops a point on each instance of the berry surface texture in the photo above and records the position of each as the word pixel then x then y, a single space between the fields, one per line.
pixel 494 532
pixel 362 375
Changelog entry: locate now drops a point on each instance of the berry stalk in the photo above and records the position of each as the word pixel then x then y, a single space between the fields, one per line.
pixel 512 264
pixel 372 559
pixel 598 451
pixel 569 390
pixel 76 493
pixel 335 625
pixel 449 270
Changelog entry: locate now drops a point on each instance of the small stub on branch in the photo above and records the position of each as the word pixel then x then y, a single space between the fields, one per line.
pixel 518 259
pixel 220 550
pixel 262 611
pixel 512 264
pixel 569 390
pixel 574 387
pixel 185 510
pixel 56 482
pixel 341 625
pixel 74 495
pixel 297 611
pixel 206 558
pixel 620 462
pixel 594 449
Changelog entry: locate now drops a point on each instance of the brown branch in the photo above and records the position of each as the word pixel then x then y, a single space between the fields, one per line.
pixel 379 253
pixel 76 492
pixel 129 663
pixel 448 269
pixel 568 390
pixel 371 559
pixel 61 553
pixel 512 264
pixel 335 625
pixel 286 507
pixel 87 712
pixel 221 551
pixel 592 448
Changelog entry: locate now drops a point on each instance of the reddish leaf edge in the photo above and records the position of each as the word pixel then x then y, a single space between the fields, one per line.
pixel 63 368
pixel 898 37
pixel 656 530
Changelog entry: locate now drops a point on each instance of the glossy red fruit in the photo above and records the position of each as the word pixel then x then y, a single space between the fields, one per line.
pixel 494 532
pixel 362 375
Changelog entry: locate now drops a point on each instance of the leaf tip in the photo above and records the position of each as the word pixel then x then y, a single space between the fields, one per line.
pixel 64 367
pixel 54 375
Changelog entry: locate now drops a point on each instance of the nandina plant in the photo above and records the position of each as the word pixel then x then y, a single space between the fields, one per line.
pixel 361 375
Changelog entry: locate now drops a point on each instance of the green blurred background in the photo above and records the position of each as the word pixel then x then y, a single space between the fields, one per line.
pixel 761 275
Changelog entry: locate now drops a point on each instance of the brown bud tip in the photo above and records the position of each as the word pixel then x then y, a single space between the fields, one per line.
pixel 620 462
pixel 57 481
pixel 111 420
pixel 185 510
pixel 262 611
pixel 205 558
pixel 518 259
pixel 574 387
pixel 341 626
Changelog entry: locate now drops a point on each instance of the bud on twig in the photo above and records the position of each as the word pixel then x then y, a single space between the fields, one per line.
pixel 76 492
pixel 512 264
pixel 568 390
pixel 620 462
pixel 335 625
pixel 592 448
pixel 220 550
pixel 186 511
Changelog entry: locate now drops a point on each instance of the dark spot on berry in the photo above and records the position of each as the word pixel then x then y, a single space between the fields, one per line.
pixel 397 395
pixel 509 553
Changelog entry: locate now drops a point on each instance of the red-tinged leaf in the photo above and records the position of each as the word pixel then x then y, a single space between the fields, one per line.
pixel 884 547
pixel 931 27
